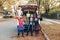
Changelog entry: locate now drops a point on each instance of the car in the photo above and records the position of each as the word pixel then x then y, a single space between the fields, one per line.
pixel 32 9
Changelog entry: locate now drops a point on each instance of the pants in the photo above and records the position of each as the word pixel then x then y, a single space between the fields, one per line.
pixel 36 32
pixel 21 31
pixel 30 29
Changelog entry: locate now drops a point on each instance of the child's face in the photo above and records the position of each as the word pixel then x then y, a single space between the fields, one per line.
pixel 31 15
pixel 36 19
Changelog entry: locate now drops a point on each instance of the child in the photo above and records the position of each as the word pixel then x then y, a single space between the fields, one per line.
pixel 21 26
pixel 30 28
pixel 37 27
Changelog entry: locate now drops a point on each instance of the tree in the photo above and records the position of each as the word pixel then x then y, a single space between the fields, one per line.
pixel 5 12
pixel 46 6
pixel 52 7
pixel 32 2
pixel 1 3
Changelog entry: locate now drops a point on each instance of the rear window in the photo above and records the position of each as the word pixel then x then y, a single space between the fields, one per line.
pixel 28 9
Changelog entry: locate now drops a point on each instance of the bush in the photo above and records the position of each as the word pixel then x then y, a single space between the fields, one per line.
pixel 11 16
pixel 5 12
pixel 7 16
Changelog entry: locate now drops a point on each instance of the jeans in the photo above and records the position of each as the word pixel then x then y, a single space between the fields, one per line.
pixel 22 32
pixel 30 32
pixel 30 29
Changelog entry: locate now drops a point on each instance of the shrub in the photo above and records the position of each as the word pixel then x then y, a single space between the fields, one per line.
pixel 7 16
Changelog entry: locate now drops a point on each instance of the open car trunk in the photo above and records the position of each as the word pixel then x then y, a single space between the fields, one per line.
pixel 29 8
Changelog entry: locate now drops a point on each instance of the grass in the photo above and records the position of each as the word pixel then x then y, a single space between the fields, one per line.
pixel 53 31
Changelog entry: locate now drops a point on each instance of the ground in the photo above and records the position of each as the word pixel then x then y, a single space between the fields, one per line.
pixel 51 28
pixel 3 19
pixel 8 31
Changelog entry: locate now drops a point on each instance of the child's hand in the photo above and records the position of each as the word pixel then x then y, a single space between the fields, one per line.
pixel 15 17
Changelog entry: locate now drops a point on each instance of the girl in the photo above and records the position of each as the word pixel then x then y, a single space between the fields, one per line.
pixel 21 26
pixel 37 26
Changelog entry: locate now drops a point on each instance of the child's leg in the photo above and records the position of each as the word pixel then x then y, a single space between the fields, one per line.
pixel 37 32
pixel 27 32
pixel 22 33
pixel 31 30
pixel 18 32
pixel 31 33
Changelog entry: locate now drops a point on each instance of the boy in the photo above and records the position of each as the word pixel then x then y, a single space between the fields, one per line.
pixel 30 28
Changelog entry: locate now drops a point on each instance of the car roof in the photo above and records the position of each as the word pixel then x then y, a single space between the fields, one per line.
pixel 28 5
